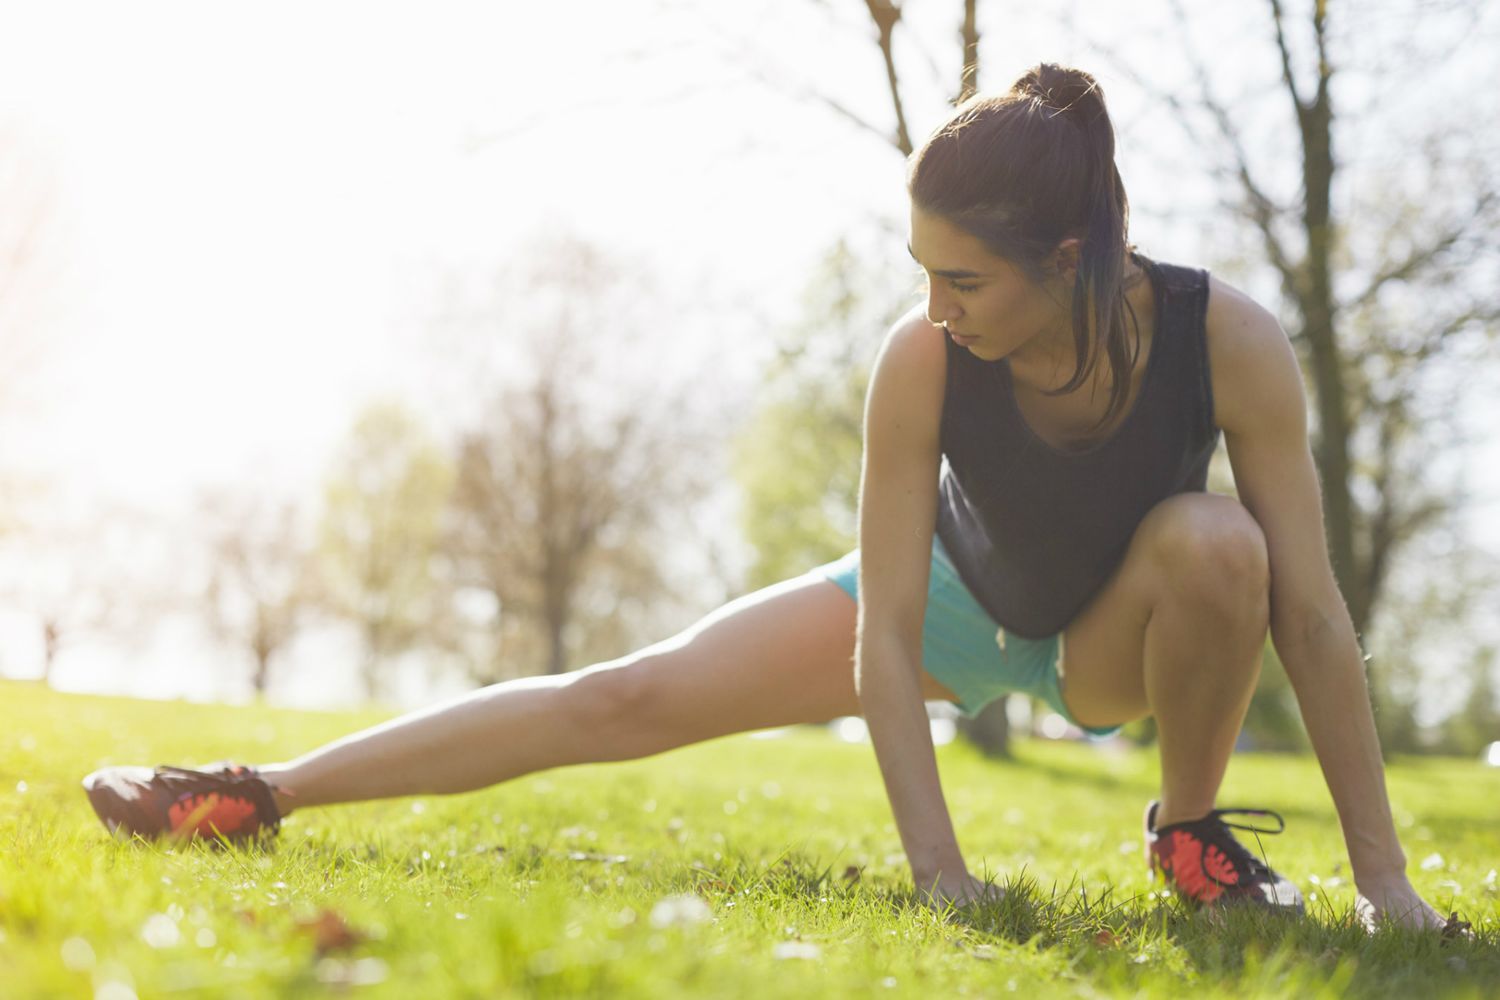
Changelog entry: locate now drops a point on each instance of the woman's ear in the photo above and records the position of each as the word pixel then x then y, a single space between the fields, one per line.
pixel 1064 260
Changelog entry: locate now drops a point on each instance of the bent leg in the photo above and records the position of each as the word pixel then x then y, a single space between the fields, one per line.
pixel 780 656
pixel 1177 633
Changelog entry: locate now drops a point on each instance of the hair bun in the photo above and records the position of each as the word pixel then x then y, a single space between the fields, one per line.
pixel 1062 90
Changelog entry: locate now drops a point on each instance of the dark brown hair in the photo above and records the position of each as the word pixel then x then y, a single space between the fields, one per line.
pixel 1024 170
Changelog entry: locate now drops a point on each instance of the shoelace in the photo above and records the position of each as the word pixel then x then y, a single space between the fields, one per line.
pixel 243 782
pixel 1215 830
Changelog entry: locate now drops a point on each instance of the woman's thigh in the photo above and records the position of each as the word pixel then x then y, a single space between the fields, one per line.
pixel 779 656
pixel 1103 649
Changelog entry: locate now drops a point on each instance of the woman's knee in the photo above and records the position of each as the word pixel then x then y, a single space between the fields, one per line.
pixel 1210 549
pixel 610 703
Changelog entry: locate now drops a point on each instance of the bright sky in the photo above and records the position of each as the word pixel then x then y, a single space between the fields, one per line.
pixel 257 203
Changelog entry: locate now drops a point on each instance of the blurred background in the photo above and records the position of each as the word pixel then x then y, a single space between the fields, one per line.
pixel 355 352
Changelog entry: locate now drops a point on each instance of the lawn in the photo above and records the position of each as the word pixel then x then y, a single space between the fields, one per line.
pixel 744 867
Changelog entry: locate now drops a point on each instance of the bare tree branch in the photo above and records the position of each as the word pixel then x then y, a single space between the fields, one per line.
pixel 1287 76
pixel 1260 208
pixel 870 127
pixel 1417 259
pixel 968 77
pixel 885 14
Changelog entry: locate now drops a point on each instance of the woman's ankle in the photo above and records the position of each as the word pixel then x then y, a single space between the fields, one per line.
pixel 275 776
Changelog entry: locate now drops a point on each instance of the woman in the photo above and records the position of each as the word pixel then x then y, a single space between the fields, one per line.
pixel 1032 518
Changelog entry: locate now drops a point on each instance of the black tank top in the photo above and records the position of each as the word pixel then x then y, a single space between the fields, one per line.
pixel 1034 532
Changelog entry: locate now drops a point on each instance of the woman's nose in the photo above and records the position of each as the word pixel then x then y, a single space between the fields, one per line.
pixel 940 309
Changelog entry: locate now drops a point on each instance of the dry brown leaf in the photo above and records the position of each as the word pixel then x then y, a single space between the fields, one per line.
pixel 330 931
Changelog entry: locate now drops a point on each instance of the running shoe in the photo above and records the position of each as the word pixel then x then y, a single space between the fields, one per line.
pixel 1203 862
pixel 229 801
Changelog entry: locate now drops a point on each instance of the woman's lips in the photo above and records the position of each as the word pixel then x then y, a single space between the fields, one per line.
pixel 960 339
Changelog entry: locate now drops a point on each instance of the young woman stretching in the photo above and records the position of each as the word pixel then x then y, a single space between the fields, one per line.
pixel 1032 518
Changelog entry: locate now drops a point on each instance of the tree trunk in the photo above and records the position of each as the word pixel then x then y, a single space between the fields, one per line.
pixel 262 676
pixel 990 729
pixel 51 639
pixel 969 76
pixel 1315 300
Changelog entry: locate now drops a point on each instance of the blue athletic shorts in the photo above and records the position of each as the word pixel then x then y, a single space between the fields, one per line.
pixel 966 650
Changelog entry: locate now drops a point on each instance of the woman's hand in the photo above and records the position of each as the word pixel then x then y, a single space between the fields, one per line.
pixel 1393 899
pixel 958 890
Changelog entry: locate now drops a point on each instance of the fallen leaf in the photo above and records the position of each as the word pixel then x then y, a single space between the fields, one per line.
pixel 330 932
pixel 1105 938
pixel 851 874
pixel 1454 928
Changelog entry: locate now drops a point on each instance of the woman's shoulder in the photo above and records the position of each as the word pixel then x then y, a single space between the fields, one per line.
pixel 910 371
pixel 917 346
pixel 1233 313
pixel 1247 351
pixel 914 332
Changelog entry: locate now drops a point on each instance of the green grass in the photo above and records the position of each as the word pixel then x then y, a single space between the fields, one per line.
pixel 548 885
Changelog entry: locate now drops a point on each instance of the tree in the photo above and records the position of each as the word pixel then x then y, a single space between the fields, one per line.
pixel 260 583
pixel 380 536
pixel 580 479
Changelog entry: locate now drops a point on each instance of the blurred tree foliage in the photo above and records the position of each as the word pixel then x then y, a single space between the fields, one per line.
pixel 1477 723
pixel 380 536
pixel 797 461
pixel 579 480
pixel 560 515
pixel 262 577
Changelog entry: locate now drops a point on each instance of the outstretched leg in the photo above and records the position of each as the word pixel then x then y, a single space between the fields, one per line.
pixel 780 656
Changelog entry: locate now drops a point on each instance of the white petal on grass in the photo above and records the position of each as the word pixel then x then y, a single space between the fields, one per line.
pixel 360 972
pixel 680 911
pixel 77 954
pixel 796 949
pixel 1432 862
pixel 160 931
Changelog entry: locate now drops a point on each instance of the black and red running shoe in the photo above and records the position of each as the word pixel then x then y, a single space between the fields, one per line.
pixel 225 800
pixel 1203 862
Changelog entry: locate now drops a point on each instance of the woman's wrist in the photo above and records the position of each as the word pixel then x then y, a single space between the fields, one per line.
pixel 926 871
pixel 1374 850
pixel 1379 870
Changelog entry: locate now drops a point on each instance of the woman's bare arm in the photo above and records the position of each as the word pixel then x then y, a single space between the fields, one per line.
pixel 1263 412
pixel 897 509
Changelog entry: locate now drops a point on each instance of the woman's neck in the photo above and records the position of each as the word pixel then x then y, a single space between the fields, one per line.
pixel 1046 362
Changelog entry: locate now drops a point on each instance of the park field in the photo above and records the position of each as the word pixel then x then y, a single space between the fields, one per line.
pixel 744 867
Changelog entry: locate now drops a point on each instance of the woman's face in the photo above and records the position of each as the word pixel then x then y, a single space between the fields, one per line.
pixel 985 302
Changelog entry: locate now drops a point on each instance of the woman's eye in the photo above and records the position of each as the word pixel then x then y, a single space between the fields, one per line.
pixel 958 287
